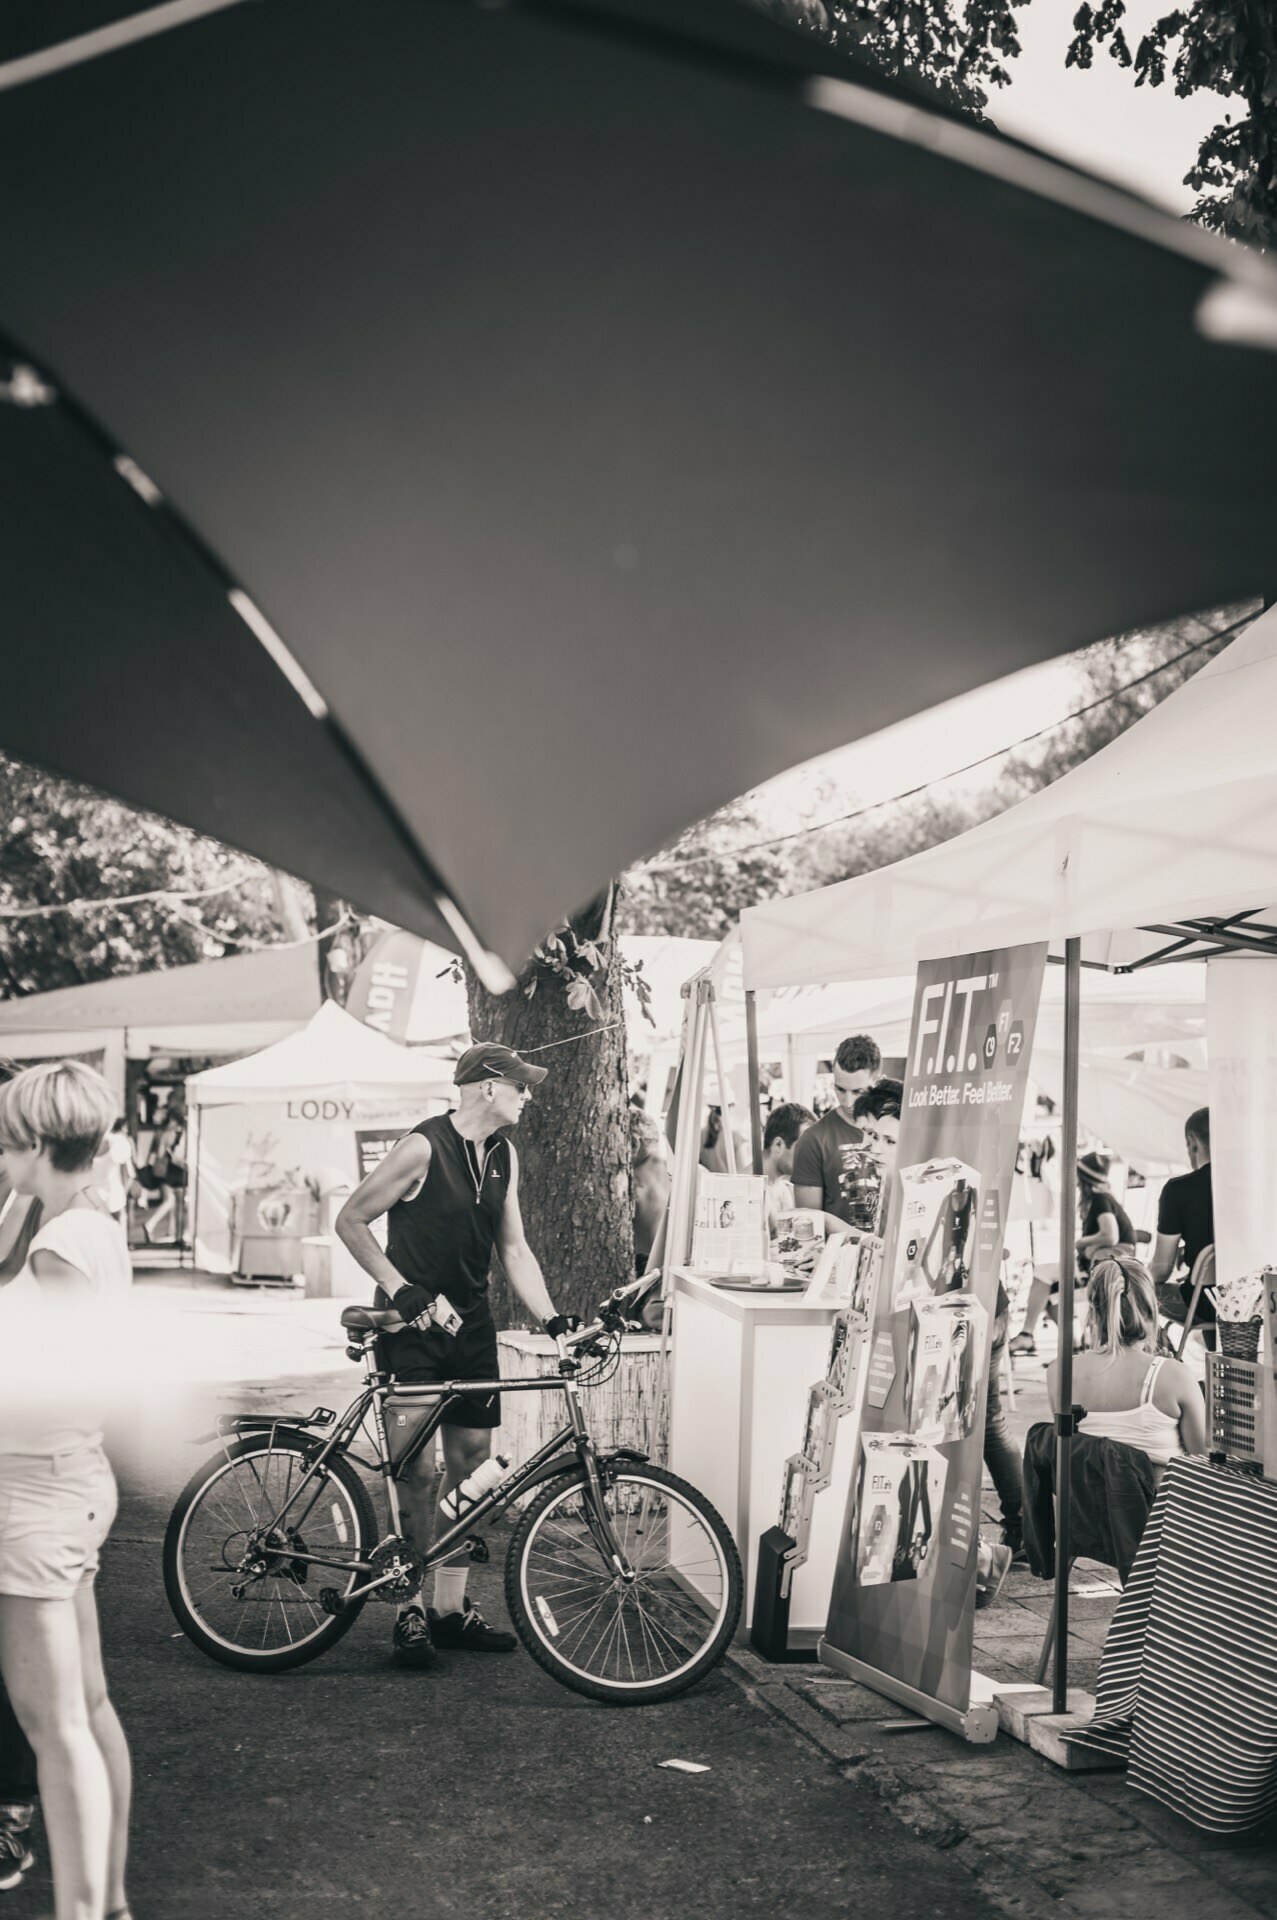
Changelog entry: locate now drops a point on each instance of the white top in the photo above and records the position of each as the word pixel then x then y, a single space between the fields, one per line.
pixel 56 1345
pixel 1144 1426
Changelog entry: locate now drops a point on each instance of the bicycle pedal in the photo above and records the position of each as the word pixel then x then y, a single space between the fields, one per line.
pixel 332 1600
pixel 478 1549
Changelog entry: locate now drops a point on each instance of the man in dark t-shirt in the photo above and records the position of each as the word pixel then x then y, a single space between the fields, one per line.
pixel 449 1190
pixel 1185 1223
pixel 833 1174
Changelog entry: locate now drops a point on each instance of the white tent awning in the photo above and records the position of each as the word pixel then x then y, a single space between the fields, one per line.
pixel 333 1056
pixel 1175 819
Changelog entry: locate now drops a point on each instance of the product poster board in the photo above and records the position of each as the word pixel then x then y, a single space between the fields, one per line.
pixel 904 1590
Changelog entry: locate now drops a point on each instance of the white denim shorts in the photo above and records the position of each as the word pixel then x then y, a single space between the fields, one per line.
pixel 55 1512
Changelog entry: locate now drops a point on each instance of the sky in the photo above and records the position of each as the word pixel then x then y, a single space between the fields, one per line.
pixel 1145 138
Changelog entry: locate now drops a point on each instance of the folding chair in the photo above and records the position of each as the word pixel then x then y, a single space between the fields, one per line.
pixel 1200 1280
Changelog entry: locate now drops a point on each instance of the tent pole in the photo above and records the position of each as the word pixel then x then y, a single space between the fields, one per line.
pixel 677 1227
pixel 724 1091
pixel 1064 1421
pixel 751 1068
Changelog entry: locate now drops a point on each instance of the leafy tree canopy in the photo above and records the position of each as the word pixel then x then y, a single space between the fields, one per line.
pixel 60 842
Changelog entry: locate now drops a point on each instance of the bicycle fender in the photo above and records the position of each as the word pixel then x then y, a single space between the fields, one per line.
pixel 288 1425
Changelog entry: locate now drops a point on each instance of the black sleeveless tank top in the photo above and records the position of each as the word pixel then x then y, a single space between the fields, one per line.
pixel 442 1239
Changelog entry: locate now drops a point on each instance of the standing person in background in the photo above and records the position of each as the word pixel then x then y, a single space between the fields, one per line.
pixel 166 1165
pixel 57 1492
pixel 829 1160
pixel 116 1166
pixel 780 1136
pixel 1186 1224
pixel 19 1219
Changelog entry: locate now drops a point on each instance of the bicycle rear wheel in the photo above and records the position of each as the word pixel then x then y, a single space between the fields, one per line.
pixel 275 1620
pixel 629 1642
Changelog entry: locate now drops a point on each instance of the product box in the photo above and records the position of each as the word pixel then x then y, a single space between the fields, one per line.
pixel 800 1239
pixel 946 1352
pixel 935 1248
pixel 898 1505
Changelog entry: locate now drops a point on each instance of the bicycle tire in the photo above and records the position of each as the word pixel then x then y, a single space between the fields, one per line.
pixel 227 1647
pixel 534 1589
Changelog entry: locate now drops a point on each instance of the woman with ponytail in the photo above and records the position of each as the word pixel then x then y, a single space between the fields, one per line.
pixel 1131 1393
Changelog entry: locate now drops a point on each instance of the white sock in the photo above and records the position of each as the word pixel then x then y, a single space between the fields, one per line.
pixel 450 1589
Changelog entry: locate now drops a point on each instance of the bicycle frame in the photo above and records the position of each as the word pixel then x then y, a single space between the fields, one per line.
pixel 548 1461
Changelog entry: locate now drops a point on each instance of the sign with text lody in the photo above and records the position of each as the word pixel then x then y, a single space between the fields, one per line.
pixel 904 1588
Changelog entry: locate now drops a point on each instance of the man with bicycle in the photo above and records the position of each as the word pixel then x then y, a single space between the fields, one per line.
pixel 450 1194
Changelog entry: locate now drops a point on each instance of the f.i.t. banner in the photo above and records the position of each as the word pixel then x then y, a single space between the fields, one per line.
pixel 904 1588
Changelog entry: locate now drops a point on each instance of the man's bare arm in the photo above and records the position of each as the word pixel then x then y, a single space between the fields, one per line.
pixel 403 1169
pixel 1165 1257
pixel 521 1264
pixel 811 1199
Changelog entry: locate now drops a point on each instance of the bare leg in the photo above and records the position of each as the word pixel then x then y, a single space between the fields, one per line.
pixel 41 1664
pixel 109 1735
pixel 1039 1293
pixel 464 1449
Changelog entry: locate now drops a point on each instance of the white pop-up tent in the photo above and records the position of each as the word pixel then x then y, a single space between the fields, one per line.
pixel 316 1108
pixel 224 1007
pixel 1161 848
pixel 1173 825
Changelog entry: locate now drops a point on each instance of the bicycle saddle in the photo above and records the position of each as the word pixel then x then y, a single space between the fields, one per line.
pixel 370 1320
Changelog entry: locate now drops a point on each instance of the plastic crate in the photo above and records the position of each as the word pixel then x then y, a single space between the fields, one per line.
pixel 1234 1410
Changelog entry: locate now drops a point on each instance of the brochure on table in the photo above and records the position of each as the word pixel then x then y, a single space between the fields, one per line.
pixel 904 1590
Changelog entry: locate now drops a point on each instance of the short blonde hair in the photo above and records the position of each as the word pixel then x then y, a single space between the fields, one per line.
pixel 64 1106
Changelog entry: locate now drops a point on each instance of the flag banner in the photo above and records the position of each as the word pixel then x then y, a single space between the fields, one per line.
pixel 904 1588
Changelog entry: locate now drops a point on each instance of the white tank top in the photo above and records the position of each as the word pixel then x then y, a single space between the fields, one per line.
pixel 1144 1426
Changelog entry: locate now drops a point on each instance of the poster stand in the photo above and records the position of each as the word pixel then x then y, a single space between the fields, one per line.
pixel 978 1724
pixel 839 1395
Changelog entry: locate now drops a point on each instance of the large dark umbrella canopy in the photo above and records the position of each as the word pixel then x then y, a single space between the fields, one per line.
pixel 602 424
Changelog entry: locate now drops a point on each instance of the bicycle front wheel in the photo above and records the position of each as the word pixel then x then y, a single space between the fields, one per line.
pixel 270 1617
pixel 630 1641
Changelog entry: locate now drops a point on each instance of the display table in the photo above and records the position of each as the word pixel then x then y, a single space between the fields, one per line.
pixel 743 1365
pixel 1187 1692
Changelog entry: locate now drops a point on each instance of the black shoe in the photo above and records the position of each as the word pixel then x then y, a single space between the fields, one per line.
pixel 413 1644
pixel 16 1857
pixel 469 1632
pixel 1013 1538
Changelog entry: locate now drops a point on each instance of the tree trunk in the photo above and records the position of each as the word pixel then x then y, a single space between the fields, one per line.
pixel 573 1141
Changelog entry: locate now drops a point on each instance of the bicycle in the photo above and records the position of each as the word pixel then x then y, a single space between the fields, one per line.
pixel 622 1581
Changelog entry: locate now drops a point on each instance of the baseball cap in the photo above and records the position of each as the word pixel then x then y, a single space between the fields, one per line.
pixel 488 1061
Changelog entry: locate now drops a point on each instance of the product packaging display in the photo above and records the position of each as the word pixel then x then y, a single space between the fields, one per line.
pixel 936 1243
pixel 838 1366
pixel 820 1431
pixel 800 1238
pixel 729 1229
pixel 946 1352
pixel 798 1495
pixel 898 1505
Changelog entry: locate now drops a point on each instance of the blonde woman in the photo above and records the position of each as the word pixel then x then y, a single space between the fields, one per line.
pixel 1131 1392
pixel 57 1492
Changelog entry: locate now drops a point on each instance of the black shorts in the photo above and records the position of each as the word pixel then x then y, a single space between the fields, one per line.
pixel 416 1359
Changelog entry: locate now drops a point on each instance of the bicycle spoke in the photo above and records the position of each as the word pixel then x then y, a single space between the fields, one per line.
pixel 635 1632
pixel 275 1608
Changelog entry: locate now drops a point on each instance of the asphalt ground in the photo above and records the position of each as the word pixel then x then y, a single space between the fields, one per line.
pixel 485 1789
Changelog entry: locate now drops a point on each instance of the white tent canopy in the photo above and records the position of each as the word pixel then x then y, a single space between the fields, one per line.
pixel 213 1007
pixel 301 1113
pixel 333 1056
pixel 1174 820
